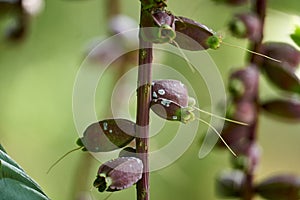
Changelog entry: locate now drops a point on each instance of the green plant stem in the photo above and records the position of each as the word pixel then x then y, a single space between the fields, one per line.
pixel 143 106
pixel 259 7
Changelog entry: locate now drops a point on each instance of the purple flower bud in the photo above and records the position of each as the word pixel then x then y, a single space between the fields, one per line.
pixel 288 109
pixel 243 111
pixel 286 53
pixel 119 174
pixel 243 83
pixel 173 90
pixel 194 35
pixel 283 77
pixel 230 184
pixel 280 187
pixel 246 25
pixel 108 135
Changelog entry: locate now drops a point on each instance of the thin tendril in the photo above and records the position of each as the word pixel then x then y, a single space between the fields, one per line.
pixel 53 165
pixel 219 117
pixel 184 56
pixel 215 130
pixel 256 53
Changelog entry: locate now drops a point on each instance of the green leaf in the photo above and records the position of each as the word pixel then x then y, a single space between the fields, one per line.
pixel 15 183
pixel 7 158
pixel 296 35
pixel 12 189
pixel 2 148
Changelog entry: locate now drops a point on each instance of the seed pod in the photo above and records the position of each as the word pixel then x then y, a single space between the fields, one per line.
pixel 243 83
pixel 286 53
pixel 158 27
pixel 246 25
pixel 107 135
pixel 283 77
pixel 172 111
pixel 128 152
pixel 194 35
pixel 237 137
pixel 288 109
pixel 280 187
pixel 230 184
pixel 170 89
pixel 118 174
pixel 244 111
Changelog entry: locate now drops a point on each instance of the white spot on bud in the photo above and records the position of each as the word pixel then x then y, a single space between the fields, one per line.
pixel 110 131
pixel 154 95
pixel 105 126
pixel 174 117
pixel 161 91
pixel 165 102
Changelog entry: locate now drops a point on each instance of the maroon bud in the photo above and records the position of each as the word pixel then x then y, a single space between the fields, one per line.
pixel 243 111
pixel 108 135
pixel 173 90
pixel 194 35
pixel 118 174
pixel 237 137
pixel 158 27
pixel 172 111
pixel 243 83
pixel 286 53
pixel 288 109
pixel 128 152
pixel 230 184
pixel 280 187
pixel 246 25
pixel 283 77
pixel 233 134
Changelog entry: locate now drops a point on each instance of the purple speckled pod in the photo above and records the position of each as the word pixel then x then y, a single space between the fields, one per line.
pixel 107 135
pixel 194 35
pixel 280 187
pixel 286 53
pixel 118 174
pixel 173 90
pixel 283 77
pixel 287 109
pixel 170 100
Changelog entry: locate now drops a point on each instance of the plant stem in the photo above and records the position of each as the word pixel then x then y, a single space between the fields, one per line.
pixel 259 7
pixel 143 106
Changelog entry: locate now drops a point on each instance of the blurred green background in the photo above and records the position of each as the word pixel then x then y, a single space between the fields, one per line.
pixel 36 119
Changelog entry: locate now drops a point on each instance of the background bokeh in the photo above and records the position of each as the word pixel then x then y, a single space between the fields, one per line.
pixel 36 81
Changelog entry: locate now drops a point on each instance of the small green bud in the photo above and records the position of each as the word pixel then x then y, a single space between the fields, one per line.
pixel 214 42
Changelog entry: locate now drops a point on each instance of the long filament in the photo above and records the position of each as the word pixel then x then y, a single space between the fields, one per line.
pixel 219 117
pixel 256 53
pixel 215 130
pixel 55 163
